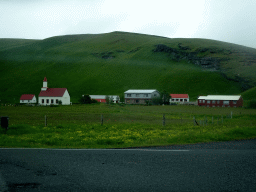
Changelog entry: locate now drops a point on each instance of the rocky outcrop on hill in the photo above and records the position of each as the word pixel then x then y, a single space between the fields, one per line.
pixel 192 57
pixel 203 57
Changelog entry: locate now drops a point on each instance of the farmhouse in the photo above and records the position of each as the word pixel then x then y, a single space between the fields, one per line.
pixel 28 98
pixel 102 98
pixel 140 96
pixel 179 98
pixel 220 101
pixel 53 96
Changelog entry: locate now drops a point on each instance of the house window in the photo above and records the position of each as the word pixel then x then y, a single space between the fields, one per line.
pixel 181 100
pixel 234 102
pixel 172 99
pixel 129 95
pixel 145 95
pixel 213 102
pixel 203 101
pixel 208 101
pixel 177 99
pixel 22 101
pixel 185 100
pixel 52 101
pixel 137 100
pixel 47 100
pixel 137 95
pixel 218 102
pixel 225 102
pixel 128 101
pixel 57 101
pixel 42 100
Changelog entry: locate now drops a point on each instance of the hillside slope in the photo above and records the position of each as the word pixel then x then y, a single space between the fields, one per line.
pixel 114 62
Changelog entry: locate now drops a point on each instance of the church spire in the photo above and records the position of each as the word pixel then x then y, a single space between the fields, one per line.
pixel 44 88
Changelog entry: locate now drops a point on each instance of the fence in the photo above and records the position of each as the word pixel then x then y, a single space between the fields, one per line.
pixel 163 120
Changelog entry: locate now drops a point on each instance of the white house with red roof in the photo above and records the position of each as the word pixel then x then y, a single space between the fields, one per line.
pixel 179 98
pixel 52 96
pixel 28 98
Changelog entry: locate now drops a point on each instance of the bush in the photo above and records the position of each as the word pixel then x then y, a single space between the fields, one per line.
pixel 85 99
pixel 252 104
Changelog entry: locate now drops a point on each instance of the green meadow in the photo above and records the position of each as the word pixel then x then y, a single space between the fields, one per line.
pixel 80 126
pixel 111 63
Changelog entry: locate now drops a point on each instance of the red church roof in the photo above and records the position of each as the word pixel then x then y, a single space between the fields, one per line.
pixel 179 95
pixel 53 92
pixel 27 97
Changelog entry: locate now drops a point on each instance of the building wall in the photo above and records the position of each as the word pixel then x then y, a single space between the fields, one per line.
pixel 136 101
pixel 66 98
pixel 140 98
pixel 54 100
pixel 179 100
pixel 29 101
pixel 220 103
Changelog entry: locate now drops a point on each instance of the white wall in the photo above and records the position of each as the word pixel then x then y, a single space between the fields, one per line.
pixel 65 99
pixel 179 100
pixel 29 101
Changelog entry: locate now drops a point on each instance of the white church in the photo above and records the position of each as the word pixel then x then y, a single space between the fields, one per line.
pixel 53 96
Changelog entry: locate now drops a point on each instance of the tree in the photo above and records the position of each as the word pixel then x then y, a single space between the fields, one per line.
pixel 157 100
pixel 121 98
pixel 107 99
pixel 165 97
pixel 111 100
pixel 85 99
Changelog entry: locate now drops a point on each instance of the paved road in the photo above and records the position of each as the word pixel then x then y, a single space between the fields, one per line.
pixel 225 166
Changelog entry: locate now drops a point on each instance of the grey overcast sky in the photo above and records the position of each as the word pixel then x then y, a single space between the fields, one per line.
pixel 231 21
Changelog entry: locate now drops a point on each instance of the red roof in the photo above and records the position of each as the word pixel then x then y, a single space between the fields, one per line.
pixel 179 95
pixel 53 92
pixel 27 97
pixel 45 79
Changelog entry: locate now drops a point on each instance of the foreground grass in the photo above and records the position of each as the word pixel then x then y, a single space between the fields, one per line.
pixel 118 136
pixel 127 126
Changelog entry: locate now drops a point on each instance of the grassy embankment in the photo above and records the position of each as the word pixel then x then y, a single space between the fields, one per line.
pixel 79 126
pixel 115 62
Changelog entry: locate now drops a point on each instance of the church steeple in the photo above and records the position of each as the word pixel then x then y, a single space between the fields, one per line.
pixel 44 88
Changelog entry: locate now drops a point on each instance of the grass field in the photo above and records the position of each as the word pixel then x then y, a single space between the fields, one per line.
pixel 79 126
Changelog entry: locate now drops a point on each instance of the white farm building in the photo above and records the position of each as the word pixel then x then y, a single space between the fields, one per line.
pixel 53 96
pixel 28 98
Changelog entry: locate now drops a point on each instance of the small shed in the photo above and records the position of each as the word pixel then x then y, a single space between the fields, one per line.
pixel 28 98
pixel 179 98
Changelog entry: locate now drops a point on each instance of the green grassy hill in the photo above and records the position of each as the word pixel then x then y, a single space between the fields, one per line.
pixel 115 62
pixel 250 94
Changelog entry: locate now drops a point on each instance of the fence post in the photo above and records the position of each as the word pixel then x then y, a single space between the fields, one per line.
pixel 101 119
pixel 45 121
pixel 163 119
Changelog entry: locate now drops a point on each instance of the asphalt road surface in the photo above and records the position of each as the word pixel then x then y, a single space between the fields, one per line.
pixel 224 166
